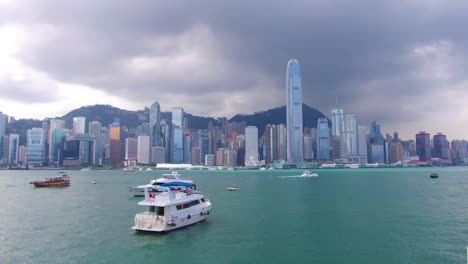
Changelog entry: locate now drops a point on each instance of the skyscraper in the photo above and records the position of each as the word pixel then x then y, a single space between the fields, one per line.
pixel 2 133
pixel 155 131
pixel 294 112
pixel 13 148
pixel 351 137
pixel 54 124
pixel 441 146
pixel 36 146
pixel 177 145
pixel 323 139
pixel 114 148
pixel 79 125
pixel 423 146
pixel 143 149
pixel 251 146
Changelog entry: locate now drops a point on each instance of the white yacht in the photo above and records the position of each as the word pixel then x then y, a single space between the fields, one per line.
pixel 153 186
pixel 307 173
pixel 171 209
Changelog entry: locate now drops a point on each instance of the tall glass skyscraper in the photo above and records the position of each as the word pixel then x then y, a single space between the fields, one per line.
pixel 323 139
pixel 177 145
pixel 295 153
pixel 155 131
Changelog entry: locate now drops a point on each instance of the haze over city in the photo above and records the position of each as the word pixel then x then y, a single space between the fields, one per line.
pixel 399 63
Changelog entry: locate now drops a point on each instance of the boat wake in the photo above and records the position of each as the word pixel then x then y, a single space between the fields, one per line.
pixel 296 176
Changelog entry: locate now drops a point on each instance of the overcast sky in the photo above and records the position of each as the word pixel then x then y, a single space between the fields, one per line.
pixel 402 63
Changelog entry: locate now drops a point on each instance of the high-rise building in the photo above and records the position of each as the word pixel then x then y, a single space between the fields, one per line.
pixel 337 121
pixel 187 148
pixel 2 133
pixel 362 143
pixel 294 121
pixel 177 135
pixel 158 154
pixel 396 152
pixel 94 128
pixel 375 136
pixel 441 146
pixel 351 137
pixel 131 149
pixel 114 146
pixel 79 125
pixel 155 131
pixel 143 149
pixel 36 139
pixel 308 148
pixel 323 139
pixel 54 124
pixel 13 148
pixel 251 146
pixel 423 146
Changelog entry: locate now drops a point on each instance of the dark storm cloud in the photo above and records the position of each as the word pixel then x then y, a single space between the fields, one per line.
pixel 373 55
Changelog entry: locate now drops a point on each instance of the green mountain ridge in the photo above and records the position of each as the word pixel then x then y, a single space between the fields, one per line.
pixel 108 114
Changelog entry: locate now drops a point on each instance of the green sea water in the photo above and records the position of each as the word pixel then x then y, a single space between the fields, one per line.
pixel 345 216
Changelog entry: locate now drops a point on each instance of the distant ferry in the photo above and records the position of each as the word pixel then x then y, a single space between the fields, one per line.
pixel 61 181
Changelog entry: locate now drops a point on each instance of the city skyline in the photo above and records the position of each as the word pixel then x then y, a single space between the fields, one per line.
pixel 224 58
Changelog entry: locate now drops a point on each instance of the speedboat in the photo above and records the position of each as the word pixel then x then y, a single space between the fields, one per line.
pixel 153 185
pixel 434 175
pixel 309 174
pixel 171 209
pixel 233 188
pixel 61 181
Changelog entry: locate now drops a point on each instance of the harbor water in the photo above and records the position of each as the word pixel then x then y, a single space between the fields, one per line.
pixel 343 216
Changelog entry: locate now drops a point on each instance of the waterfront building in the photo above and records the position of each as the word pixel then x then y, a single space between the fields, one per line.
pixel 22 154
pixel 158 154
pixel 351 137
pixel 362 142
pixel 54 124
pixel 36 140
pixel 94 129
pixel 187 148
pixel 229 157
pixel 251 146
pixel 294 120
pixel 308 148
pixel 154 125
pixel 396 152
pixel 143 142
pixel 375 136
pixel 423 146
pixel 441 146
pixel 166 138
pixel 209 160
pixel 377 153
pixel 79 123
pixel 114 146
pixel 3 124
pixel 195 155
pixel 338 132
pixel 177 143
pixel 57 145
pixel 131 149
pixel 220 157
pixel 323 139
pixel 13 148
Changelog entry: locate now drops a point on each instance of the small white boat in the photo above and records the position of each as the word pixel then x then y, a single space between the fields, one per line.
pixel 309 174
pixel 93 182
pixel 86 169
pixel 171 210
pixel 153 185
pixel 233 188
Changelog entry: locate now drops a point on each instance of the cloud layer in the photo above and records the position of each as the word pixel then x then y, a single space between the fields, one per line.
pixel 400 63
